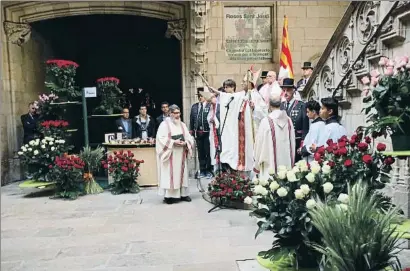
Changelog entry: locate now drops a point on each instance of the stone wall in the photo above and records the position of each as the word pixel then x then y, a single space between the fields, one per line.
pixel 310 26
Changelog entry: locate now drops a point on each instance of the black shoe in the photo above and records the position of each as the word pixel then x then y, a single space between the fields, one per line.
pixel 187 199
pixel 169 200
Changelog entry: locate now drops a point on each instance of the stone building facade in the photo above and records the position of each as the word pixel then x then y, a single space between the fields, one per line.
pixel 199 25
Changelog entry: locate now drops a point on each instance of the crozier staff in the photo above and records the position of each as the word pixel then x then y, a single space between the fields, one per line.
pixel 173 146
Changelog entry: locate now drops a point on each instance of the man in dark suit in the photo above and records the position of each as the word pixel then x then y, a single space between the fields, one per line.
pixel 307 70
pixel 144 125
pixel 264 74
pixel 165 112
pixel 296 110
pixel 30 121
pixel 124 124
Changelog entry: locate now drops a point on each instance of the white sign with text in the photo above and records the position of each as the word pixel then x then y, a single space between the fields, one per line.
pixel 90 92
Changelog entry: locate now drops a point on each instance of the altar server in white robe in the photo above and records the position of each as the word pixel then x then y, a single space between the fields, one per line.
pixel 275 141
pixel 237 126
pixel 213 120
pixel 174 145
pixel 317 127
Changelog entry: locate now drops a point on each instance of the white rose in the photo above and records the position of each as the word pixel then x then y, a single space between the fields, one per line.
pixel 274 185
pixel 264 191
pixel 327 187
pixel 23 149
pixel 35 152
pixel 291 176
pixel 248 200
pixel 299 194
pixel 43 146
pixel 326 169
pixel 343 198
pixel 43 141
pixel 302 163
pixel 30 149
pixel 315 169
pixel 310 204
pixel 304 168
pixel 271 171
pixel 282 192
pixel 32 142
pixel 282 168
pixel 26 145
pixel 295 169
pixel 305 189
pixel 52 148
pixel 20 153
pixel 260 190
pixel 51 143
pixel 255 180
pixel 62 141
pixel 282 175
pixel 310 177
pixel 263 182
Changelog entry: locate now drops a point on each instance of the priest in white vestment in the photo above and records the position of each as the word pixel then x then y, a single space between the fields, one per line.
pixel 174 145
pixel 275 141
pixel 238 127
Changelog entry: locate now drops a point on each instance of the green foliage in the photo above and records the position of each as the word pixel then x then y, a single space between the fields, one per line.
pixel 60 79
pixel 359 237
pixel 111 96
pixel 92 158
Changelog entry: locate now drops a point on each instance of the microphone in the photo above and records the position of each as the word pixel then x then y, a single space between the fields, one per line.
pixel 230 101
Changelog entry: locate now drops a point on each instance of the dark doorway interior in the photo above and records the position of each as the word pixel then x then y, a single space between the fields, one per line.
pixel 131 48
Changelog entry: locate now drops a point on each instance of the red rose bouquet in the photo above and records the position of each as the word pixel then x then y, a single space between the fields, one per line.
pixel 68 175
pixel 124 169
pixel 54 128
pixel 60 76
pixel 111 95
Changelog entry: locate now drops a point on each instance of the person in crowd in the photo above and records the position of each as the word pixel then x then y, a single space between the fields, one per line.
pixel 237 126
pixel 307 70
pixel 214 135
pixel 275 141
pixel 264 79
pixel 144 125
pixel 229 86
pixel 30 122
pixel 329 112
pixel 165 112
pixel 124 124
pixel 199 128
pixel 313 137
pixel 173 146
pixel 271 87
pixel 296 110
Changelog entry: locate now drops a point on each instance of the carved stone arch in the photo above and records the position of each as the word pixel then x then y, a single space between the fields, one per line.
pixel 367 20
pixel 326 81
pixel 343 55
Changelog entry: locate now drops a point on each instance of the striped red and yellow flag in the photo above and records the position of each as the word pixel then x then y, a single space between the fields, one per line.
pixel 286 68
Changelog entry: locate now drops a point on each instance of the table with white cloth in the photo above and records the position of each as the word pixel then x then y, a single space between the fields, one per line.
pixel 148 170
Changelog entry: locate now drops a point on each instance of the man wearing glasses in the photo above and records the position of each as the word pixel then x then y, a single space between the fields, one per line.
pixel 124 123
pixel 29 122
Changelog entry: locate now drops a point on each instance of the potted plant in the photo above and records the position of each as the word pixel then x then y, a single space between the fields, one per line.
pixel 68 175
pixel 356 237
pixel 230 189
pixel 124 169
pixel 60 79
pixel 54 128
pixel 110 94
pixel 92 159
pixel 388 98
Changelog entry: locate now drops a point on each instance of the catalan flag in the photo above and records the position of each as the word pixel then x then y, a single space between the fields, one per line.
pixel 286 68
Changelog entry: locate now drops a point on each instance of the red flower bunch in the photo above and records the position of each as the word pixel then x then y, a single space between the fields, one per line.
pixel 68 162
pixel 124 169
pixel 54 124
pixel 230 186
pixel 62 63
pixel 352 159
pixel 108 79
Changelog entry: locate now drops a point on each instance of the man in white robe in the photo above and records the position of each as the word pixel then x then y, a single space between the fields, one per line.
pixel 173 146
pixel 317 127
pixel 238 125
pixel 275 141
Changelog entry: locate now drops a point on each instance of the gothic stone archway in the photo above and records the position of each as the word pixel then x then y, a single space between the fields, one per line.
pixel 22 58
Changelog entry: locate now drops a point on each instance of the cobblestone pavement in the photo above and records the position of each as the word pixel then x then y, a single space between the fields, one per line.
pixel 119 233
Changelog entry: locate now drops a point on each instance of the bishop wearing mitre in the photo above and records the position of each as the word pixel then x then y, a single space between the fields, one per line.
pixel 174 145
pixel 239 115
pixel 275 141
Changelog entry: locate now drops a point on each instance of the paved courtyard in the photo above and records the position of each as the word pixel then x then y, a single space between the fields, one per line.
pixel 124 232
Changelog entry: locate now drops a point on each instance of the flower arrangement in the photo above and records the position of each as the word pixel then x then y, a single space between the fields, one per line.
pixel 60 80
pixel 44 104
pixel 54 128
pixel 230 187
pixel 388 98
pixel 124 169
pixel 353 159
pixel 68 174
pixel 282 204
pixel 111 95
pixel 92 159
pixel 39 155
